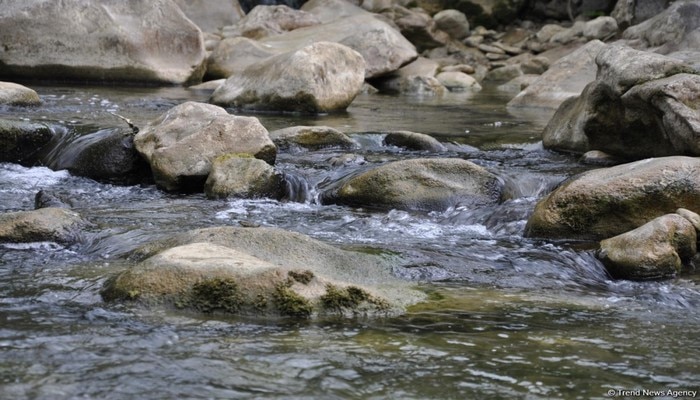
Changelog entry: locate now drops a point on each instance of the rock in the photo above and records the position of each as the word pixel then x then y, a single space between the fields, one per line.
pixel 567 10
pixel 209 85
pixel 600 158
pixel 113 40
pixel 455 53
pixel 564 79
pixel 691 216
pixel 321 77
pixel 453 22
pixel 21 142
pixel 419 28
pixel 45 199
pixel 504 73
pixel 402 80
pixel 458 81
pixel 571 34
pixel 657 249
pixel 312 137
pixel 518 84
pixel 605 202
pixel 467 69
pixel 489 13
pixel 211 15
pixel 383 47
pixel 547 32
pixel 43 225
pixel 600 28
pixel 18 95
pixel 640 105
pixel 181 144
pixel 264 21
pixel 238 176
pixel 418 184
pixel 261 271
pixel 233 55
pixel 413 141
pixel 107 155
pixel 676 28
pixel 632 12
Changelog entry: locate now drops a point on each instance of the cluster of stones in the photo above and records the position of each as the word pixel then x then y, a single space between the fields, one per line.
pixel 627 101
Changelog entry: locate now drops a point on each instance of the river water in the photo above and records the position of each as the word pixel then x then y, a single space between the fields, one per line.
pixel 509 317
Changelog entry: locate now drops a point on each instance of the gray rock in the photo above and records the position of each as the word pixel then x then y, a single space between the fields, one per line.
pixel 233 55
pixel 458 82
pixel 45 224
pixel 600 28
pixel 21 142
pixel 632 12
pixel 640 105
pixel 413 141
pixel 519 83
pixel 605 202
pixel 418 184
pixel 600 158
pixel 263 21
pixel 657 249
pixel 321 77
pixel 312 137
pixel 243 177
pixel 691 216
pixel 181 144
pixel 676 28
pixel 564 79
pixel 211 15
pixel 419 28
pixel 504 73
pixel 400 81
pixel 113 40
pixel 261 271
pixel 453 22
pixel 18 95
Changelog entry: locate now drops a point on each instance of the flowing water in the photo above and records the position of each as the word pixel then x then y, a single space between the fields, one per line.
pixel 509 317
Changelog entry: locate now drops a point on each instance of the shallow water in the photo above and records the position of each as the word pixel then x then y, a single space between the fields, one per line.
pixel 509 316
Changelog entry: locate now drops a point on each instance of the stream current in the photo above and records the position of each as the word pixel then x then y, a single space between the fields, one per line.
pixel 510 317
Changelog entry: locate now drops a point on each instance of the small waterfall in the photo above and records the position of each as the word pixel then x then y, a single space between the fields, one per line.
pixel 298 189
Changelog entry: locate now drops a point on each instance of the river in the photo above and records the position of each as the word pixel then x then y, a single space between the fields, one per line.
pixel 509 317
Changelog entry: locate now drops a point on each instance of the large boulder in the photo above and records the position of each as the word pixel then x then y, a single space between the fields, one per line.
pixel 657 249
pixel 260 271
pixel 640 105
pixel 110 40
pixel 605 202
pixel 50 224
pixel 233 175
pixel 21 141
pixel 181 144
pixel 263 21
pixel 676 28
pixel 321 77
pixel 453 22
pixel 312 137
pixel 418 184
pixel 565 78
pixel 18 95
pixel 211 15
pixel 632 12
pixel 383 48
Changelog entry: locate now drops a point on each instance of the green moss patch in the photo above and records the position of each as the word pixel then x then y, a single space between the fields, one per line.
pixel 291 304
pixel 303 277
pixel 350 298
pixel 217 294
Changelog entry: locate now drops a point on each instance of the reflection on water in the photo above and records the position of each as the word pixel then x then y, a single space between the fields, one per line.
pixel 508 316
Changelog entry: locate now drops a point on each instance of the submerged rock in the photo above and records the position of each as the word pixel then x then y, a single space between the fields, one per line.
pixel 181 144
pixel 418 184
pixel 18 95
pixel 110 40
pixel 605 202
pixel 234 175
pixel 21 142
pixel 312 137
pixel 657 249
pixel 260 271
pixel 322 77
pixel 45 224
pixel 413 141
pixel 107 155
